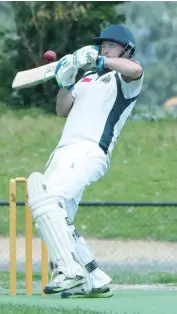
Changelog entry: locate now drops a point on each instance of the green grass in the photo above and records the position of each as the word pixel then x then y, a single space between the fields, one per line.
pixel 149 278
pixel 119 277
pixel 143 169
pixel 135 222
pixel 112 222
pixel 27 309
pixel 129 301
pixel 123 302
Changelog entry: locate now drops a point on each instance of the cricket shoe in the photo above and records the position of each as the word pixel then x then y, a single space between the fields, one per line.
pixel 59 282
pixel 79 292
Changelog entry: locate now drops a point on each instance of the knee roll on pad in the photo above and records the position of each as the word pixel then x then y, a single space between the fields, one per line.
pixel 50 220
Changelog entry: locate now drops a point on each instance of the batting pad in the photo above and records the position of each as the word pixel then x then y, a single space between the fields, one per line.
pixel 50 219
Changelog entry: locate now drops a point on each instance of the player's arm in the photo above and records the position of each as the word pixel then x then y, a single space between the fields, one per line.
pixel 130 70
pixel 87 57
pixel 65 75
pixel 64 102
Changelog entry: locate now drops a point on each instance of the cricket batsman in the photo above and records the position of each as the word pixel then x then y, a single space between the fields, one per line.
pixel 96 107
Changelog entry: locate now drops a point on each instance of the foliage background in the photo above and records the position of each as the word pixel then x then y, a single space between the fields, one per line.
pixel 35 27
pixel 155 27
pixel 29 28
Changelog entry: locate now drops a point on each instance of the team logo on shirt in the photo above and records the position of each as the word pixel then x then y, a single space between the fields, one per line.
pixel 86 79
pixel 106 79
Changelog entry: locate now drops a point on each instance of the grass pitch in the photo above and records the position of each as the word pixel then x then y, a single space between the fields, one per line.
pixel 143 169
pixel 123 302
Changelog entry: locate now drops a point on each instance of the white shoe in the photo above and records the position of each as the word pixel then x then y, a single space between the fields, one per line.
pixel 79 292
pixel 59 282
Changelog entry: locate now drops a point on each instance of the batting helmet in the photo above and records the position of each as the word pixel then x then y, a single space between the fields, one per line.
pixel 119 34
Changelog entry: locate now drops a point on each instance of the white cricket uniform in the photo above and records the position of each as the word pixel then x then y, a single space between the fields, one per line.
pixel 101 107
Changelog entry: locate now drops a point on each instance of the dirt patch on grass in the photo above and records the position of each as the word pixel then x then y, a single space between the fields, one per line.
pixel 105 250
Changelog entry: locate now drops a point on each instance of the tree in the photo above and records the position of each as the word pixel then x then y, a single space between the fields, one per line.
pixel 154 25
pixel 40 26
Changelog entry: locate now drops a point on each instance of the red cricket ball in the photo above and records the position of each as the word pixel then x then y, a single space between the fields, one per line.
pixel 50 56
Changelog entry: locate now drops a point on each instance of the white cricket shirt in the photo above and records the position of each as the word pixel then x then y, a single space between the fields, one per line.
pixel 101 107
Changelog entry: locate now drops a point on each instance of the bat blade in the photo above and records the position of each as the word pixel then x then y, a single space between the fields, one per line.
pixel 33 77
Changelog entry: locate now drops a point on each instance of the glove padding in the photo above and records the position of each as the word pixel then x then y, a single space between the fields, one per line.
pixel 66 71
pixel 86 57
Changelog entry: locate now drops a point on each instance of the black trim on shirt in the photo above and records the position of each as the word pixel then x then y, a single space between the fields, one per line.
pixel 121 103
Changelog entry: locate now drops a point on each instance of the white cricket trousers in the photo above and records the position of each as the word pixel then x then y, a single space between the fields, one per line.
pixel 71 168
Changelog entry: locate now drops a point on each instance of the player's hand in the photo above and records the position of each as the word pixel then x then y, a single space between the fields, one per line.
pixel 86 57
pixel 66 71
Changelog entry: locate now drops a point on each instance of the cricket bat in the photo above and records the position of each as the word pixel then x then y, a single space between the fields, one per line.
pixel 33 77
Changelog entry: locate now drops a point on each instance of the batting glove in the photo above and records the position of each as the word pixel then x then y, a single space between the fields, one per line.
pixel 87 58
pixel 66 71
